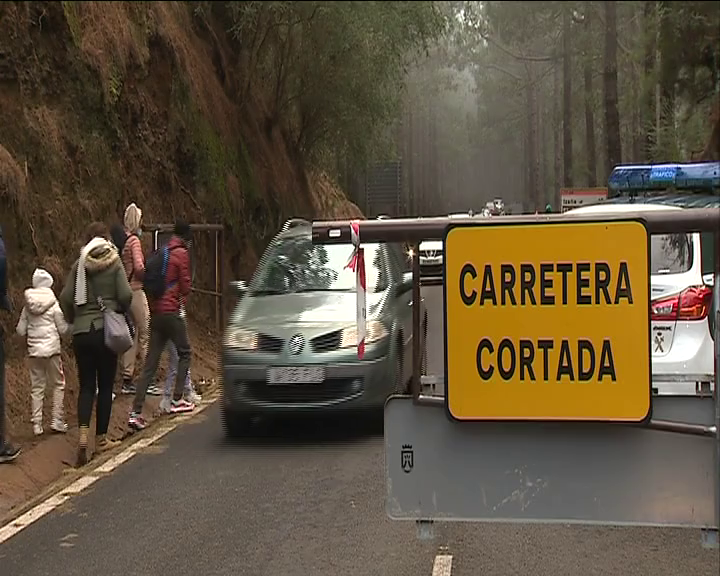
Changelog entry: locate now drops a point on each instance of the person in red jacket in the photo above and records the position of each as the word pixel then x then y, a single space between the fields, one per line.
pixel 166 324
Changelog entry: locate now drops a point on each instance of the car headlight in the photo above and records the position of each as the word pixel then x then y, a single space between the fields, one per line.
pixel 241 339
pixel 374 332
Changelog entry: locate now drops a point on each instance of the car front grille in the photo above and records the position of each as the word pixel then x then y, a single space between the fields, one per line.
pixel 271 344
pixel 332 389
pixel 326 342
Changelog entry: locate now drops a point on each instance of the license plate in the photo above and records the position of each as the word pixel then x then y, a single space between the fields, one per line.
pixel 296 375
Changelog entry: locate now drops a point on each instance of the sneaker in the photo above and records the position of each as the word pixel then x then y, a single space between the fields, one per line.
pixel 59 426
pixel 127 386
pixel 154 390
pixel 136 421
pixel 165 405
pixel 193 397
pixel 8 452
pixel 181 406
pixel 37 429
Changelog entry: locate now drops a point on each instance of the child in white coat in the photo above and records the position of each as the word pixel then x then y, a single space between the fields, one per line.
pixel 42 324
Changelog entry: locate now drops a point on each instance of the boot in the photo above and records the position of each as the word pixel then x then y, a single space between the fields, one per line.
pixel 82 447
pixel 102 443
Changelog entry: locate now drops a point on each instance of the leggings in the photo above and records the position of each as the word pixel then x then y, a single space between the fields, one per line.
pixel 96 365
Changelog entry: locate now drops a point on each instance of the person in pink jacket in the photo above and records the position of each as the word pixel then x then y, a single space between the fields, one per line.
pixel 134 262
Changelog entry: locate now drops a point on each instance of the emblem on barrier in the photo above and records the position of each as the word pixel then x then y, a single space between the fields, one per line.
pixel 407 458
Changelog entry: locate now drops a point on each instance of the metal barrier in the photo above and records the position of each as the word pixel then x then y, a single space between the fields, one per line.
pixel 161 234
pixel 605 454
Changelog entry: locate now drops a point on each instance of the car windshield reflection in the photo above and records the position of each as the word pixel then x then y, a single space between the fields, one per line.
pixel 296 265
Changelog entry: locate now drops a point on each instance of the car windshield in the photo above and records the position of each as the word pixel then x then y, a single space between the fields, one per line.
pixel 295 264
pixel 671 253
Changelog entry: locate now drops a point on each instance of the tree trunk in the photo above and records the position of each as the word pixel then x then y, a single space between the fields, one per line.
pixel 612 115
pixel 408 160
pixel 557 138
pixel 648 101
pixel 636 79
pixel 432 161
pixel 532 155
pixel 658 91
pixel 591 157
pixel 543 146
pixel 711 153
pixel 668 77
pixel 567 102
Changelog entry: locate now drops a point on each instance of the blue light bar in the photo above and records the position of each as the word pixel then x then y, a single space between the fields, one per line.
pixel 698 176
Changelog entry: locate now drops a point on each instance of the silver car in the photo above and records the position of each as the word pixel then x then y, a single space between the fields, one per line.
pixel 291 343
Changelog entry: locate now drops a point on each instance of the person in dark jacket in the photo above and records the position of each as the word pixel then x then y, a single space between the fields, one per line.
pixel 8 452
pixel 118 236
pixel 167 324
pixel 97 273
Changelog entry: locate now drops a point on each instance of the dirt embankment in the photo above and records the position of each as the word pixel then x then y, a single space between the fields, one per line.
pixel 105 103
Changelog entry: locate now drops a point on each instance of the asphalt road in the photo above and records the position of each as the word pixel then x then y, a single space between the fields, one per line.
pixel 302 499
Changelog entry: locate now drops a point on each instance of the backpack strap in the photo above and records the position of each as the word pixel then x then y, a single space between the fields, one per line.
pixel 166 260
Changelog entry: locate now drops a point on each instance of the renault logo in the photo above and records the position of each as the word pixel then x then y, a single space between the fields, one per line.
pixel 296 343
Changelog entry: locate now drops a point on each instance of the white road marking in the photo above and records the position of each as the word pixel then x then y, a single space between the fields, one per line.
pixel 442 565
pixel 64 494
pixel 79 485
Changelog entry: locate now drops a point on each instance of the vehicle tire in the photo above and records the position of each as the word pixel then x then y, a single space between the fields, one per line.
pixel 236 424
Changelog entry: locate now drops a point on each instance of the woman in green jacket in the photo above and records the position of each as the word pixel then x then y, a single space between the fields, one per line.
pixel 97 273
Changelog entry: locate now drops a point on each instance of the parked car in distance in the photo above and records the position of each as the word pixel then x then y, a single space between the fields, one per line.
pixel 431 251
pixel 290 345
pixel 682 345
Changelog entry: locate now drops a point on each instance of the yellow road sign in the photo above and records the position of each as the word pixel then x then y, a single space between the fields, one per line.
pixel 548 322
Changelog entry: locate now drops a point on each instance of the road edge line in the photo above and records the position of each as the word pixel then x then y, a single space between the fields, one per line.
pixel 442 565
pixel 87 478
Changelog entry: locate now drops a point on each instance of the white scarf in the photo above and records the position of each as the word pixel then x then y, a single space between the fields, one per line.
pixel 81 276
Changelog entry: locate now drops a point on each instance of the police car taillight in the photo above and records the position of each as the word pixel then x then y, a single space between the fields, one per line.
pixel 693 303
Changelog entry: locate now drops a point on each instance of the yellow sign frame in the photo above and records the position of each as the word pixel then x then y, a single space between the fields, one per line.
pixel 542 398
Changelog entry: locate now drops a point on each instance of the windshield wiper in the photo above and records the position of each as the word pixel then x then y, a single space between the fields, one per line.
pixel 268 292
pixel 323 290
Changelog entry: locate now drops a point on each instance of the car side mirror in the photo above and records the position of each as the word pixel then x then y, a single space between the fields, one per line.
pixel 239 287
pixel 406 283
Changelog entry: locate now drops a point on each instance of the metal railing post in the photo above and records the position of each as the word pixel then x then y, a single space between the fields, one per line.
pixel 221 278
pixel 416 354
pixel 218 286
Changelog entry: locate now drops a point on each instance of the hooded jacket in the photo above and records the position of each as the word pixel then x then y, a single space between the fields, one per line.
pixel 4 302
pixel 132 253
pixel 104 277
pixel 41 319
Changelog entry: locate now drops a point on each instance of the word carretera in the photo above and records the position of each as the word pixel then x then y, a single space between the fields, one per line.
pixel 567 284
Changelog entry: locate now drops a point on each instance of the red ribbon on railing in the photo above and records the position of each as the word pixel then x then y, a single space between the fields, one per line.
pixel 356 263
